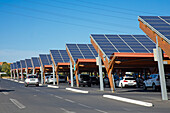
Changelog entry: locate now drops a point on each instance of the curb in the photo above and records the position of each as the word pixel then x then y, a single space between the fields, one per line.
pixel 77 90
pixel 51 86
pixel 132 101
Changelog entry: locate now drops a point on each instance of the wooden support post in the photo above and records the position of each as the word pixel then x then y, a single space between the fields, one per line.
pixel 111 78
pixel 57 77
pixel 77 80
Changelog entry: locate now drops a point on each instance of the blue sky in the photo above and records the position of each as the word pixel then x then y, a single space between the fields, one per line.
pixel 32 27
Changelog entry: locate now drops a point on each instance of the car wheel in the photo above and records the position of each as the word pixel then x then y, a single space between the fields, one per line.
pixel 26 85
pixel 83 85
pixel 144 87
pixel 154 87
pixel 121 85
pixel 89 85
pixel 37 85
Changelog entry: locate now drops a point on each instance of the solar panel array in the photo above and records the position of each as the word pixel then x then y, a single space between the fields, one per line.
pixel 59 56
pixel 35 61
pixel 14 66
pixel 28 63
pixel 18 64
pixel 22 62
pixel 124 43
pixel 159 24
pixel 11 66
pixel 82 51
pixel 45 59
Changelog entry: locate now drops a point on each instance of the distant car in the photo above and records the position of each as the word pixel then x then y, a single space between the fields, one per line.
pixel 31 80
pixel 153 82
pixel 46 78
pixel 84 79
pixel 94 80
pixel 139 82
pixel 50 79
pixel 106 82
pixel 126 81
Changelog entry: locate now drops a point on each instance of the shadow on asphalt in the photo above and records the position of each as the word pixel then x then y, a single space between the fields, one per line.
pixel 6 90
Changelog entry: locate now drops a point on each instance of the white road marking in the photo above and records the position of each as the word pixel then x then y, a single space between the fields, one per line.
pixel 5 93
pixel 100 111
pixel 142 103
pixel 68 100
pixel 37 90
pixel 18 104
pixel 76 90
pixel 21 82
pixel 84 105
pixel 51 86
pixel 58 97
pixel 66 111
pixel 126 109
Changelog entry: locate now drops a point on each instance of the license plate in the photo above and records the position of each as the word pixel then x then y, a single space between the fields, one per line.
pixel 32 80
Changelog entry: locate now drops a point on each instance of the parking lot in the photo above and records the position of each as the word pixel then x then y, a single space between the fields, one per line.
pixel 62 100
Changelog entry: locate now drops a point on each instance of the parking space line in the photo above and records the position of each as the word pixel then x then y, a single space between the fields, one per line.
pixel 100 111
pixel 18 104
pixel 5 93
pixel 77 90
pixel 66 111
pixel 58 97
pixel 142 103
pixel 68 100
pixel 84 105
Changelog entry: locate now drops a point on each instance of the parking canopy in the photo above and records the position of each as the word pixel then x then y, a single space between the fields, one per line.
pixel 157 26
pixel 83 58
pixel 46 64
pixel 60 61
pixel 129 52
pixel 36 64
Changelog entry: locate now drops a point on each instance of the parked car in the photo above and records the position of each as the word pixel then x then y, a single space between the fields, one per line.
pixel 94 80
pixel 153 82
pixel 139 81
pixel 106 82
pixel 46 78
pixel 126 81
pixel 84 79
pixel 62 78
pixel 31 80
pixel 50 79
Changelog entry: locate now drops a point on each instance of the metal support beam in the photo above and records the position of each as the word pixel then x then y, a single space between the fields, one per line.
pixel 14 74
pixel 71 73
pixel 53 74
pixel 100 73
pixel 41 75
pixel 21 74
pixel 161 72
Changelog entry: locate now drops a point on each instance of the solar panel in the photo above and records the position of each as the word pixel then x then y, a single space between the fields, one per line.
pixel 22 62
pixel 18 64
pixel 28 63
pixel 45 59
pixel 14 66
pixel 159 24
pixel 81 51
pixel 11 66
pixel 110 44
pixel 59 56
pixel 35 62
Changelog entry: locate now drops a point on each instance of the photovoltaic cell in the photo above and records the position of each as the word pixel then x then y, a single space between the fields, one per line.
pixel 22 62
pixel 35 61
pixel 59 56
pixel 123 43
pixel 45 59
pixel 159 24
pixel 28 63
pixel 18 64
pixel 14 66
pixel 82 51
pixel 11 66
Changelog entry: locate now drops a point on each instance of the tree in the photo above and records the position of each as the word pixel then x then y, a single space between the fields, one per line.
pixel 0 68
pixel 6 68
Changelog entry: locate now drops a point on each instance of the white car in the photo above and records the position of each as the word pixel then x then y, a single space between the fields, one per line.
pixel 50 79
pixel 154 83
pixel 126 81
pixel 31 80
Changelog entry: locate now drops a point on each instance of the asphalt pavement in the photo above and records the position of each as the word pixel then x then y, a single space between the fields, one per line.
pixel 16 98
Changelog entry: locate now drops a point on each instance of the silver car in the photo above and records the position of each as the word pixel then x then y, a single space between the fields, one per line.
pixel 31 80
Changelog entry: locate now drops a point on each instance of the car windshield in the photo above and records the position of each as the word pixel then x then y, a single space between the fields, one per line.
pixel 32 77
pixel 85 77
pixel 129 78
